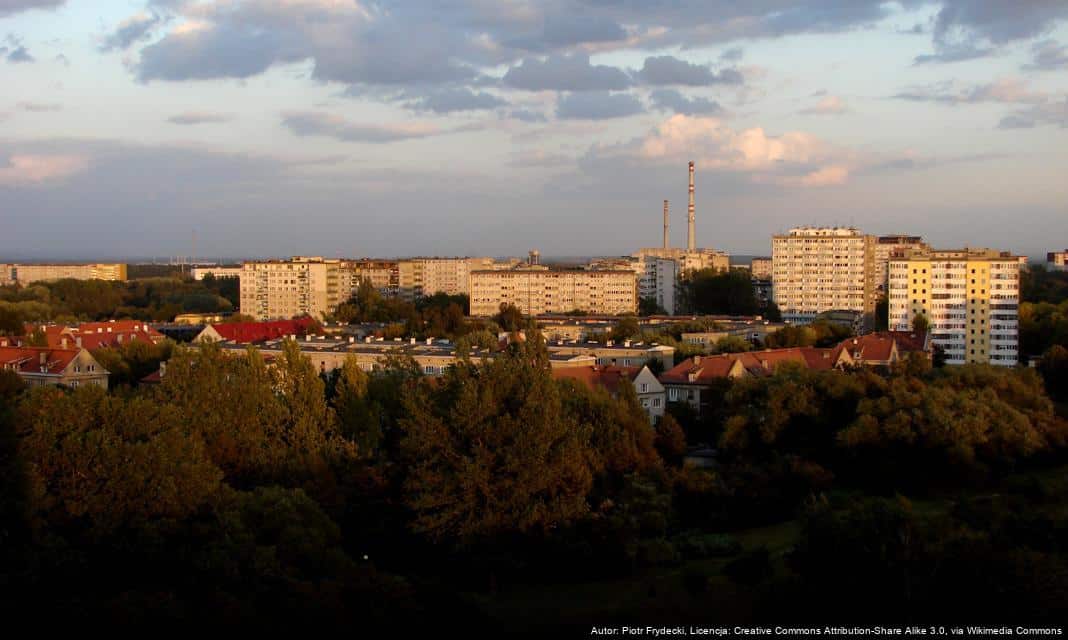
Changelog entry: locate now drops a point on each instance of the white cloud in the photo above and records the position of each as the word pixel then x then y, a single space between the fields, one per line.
pixel 21 170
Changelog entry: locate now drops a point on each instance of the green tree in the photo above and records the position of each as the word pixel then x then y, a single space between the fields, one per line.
pixel 356 418
pixel 711 292
pixel 919 323
pixel 509 318
pixel 491 451
pixel 670 439
pixel 1054 369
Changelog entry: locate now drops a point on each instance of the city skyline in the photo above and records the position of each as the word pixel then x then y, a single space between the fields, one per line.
pixel 302 127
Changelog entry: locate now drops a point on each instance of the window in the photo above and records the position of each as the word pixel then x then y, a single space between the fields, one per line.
pixel 645 387
pixel 673 394
pixel 656 403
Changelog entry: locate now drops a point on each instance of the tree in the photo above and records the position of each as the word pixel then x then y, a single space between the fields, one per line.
pixel 356 418
pixel 709 292
pixel 650 307
pixel 509 318
pixel 731 344
pixel 670 439
pixel 626 328
pixel 491 451
pixel 882 314
pixel 920 323
pixel 1054 369
pixel 11 322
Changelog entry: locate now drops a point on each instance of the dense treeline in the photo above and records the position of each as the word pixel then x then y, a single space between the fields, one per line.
pixel 238 491
pixel 439 315
pixel 158 299
pixel 730 292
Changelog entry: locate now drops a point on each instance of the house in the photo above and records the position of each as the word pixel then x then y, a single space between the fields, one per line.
pixel 650 391
pixel 94 335
pixel 872 350
pixel 254 332
pixel 40 366
pixel 693 380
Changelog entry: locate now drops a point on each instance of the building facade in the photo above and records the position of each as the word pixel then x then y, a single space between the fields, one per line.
pixel 538 290
pixel 1057 260
pixel 27 273
pixel 217 272
pixel 887 246
pixel 760 268
pixel 39 366
pixel 817 269
pixel 275 289
pixel 969 297
pixel 418 277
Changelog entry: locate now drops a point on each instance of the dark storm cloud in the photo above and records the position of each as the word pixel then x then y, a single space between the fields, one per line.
pixel 8 7
pixel 969 29
pixel 315 123
pixel 597 106
pixel 669 70
pixel 673 100
pixel 565 73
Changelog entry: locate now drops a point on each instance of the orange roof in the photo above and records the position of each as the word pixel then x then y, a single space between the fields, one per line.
pixel 907 341
pixel 756 363
pixel 872 347
pixel 29 359
pixel 97 335
pixel 596 376
pixel 248 332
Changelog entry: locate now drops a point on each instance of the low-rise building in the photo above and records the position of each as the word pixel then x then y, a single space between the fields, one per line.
pixel 217 272
pixel 650 391
pixel 618 354
pixel 253 332
pixel 39 366
pixel 29 273
pixel 96 335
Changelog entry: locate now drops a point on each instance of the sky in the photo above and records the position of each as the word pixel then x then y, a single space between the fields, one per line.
pixel 254 128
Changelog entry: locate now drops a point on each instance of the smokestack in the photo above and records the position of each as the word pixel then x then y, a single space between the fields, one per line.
pixel 667 242
pixel 691 232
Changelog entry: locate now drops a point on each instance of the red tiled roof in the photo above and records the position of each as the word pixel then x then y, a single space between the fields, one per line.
pixel 607 378
pixel 907 341
pixel 248 332
pixel 755 362
pixel 871 347
pixel 96 335
pixel 28 359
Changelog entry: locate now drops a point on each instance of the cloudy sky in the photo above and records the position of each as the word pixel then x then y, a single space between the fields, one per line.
pixel 392 127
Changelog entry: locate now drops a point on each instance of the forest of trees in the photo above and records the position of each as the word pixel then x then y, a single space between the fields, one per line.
pixel 242 492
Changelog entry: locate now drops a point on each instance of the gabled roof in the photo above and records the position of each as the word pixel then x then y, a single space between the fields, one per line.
pixel 608 378
pixel 871 348
pixel 908 341
pixel 703 369
pixel 96 335
pixel 249 332
pixel 28 360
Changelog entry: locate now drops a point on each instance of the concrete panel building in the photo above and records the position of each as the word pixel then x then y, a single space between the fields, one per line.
pixel 28 273
pixel 419 277
pixel 538 290
pixel 887 246
pixel 970 298
pixel 217 272
pixel 279 289
pixel 817 269
pixel 1057 260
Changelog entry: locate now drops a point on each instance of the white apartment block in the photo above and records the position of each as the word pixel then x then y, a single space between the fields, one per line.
pixel 970 298
pixel 27 273
pixel 760 269
pixel 817 269
pixel 217 272
pixel 538 290
pixel 275 289
pixel 887 246
pixel 419 277
pixel 1057 260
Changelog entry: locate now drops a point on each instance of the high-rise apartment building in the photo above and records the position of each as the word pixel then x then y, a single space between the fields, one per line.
pixel 27 273
pixel 817 269
pixel 274 289
pixel 887 246
pixel 760 269
pixel 1057 260
pixel 383 275
pixel 536 290
pixel 970 298
pixel 419 277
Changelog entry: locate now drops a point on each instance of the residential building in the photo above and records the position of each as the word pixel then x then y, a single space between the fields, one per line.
pixel 274 289
pixel 418 277
pixel 760 268
pixel 693 380
pixel 7 275
pixel 217 272
pixel 817 269
pixel 1057 260
pixel 617 354
pixel 28 273
pixel 650 391
pixel 537 290
pixel 383 275
pixel 254 332
pixel 886 246
pixel 39 366
pixel 970 298
pixel 96 335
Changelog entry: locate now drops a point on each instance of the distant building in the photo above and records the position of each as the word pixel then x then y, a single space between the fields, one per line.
pixel 39 366
pixel 1057 260
pixel 217 272
pixel 273 289
pixel 817 269
pixel 96 335
pixel 384 275
pixel 29 273
pixel 254 332
pixel 885 247
pixel 7 275
pixel 970 298
pixel 760 268
pixel 537 290
pixel 419 277
pixel 650 392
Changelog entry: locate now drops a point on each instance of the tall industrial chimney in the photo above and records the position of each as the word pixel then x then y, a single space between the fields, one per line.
pixel 691 233
pixel 667 241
